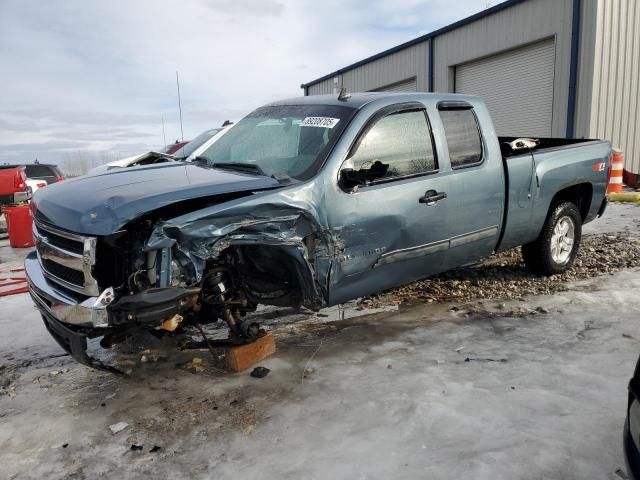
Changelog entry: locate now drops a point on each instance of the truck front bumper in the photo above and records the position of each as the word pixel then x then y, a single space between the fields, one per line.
pixel 72 318
pixel 68 321
pixel 63 305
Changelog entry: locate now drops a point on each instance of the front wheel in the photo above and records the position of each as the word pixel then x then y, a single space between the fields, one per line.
pixel 555 249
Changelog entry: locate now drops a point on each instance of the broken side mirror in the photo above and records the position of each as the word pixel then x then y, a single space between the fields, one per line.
pixel 351 179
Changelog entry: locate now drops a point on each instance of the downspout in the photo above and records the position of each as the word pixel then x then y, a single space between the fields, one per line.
pixel 430 64
pixel 573 69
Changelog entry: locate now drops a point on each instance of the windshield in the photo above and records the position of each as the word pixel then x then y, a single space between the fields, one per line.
pixel 193 145
pixel 283 141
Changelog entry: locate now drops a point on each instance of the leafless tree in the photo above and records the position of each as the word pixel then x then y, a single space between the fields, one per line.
pixel 81 161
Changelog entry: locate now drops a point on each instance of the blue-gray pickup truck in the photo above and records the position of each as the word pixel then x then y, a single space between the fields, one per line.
pixel 307 202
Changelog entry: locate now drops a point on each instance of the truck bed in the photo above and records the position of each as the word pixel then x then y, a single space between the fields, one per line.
pixel 533 176
pixel 545 143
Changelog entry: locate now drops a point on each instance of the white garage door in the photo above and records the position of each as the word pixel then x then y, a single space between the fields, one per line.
pixel 517 87
pixel 404 86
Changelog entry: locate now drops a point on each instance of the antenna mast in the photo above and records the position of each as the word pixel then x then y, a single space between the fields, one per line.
pixel 164 138
pixel 179 107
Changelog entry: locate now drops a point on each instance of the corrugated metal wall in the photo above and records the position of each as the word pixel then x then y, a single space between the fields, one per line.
pixel 616 90
pixel 324 87
pixel 516 26
pixel 390 70
pixel 584 91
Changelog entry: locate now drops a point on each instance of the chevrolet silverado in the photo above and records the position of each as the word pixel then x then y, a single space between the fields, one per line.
pixel 306 202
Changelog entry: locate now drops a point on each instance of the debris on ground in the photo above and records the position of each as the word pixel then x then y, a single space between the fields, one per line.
pixel 505 276
pixel 8 376
pixel 135 447
pixel 155 449
pixel 498 360
pixel 260 372
pixel 195 365
pixel 118 427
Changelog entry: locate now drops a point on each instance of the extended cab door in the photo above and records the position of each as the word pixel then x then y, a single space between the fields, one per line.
pixel 394 228
pixel 476 191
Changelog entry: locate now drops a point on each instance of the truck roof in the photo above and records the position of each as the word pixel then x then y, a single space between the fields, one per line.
pixel 359 99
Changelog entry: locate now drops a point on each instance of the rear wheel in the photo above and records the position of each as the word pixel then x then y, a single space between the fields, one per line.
pixel 554 251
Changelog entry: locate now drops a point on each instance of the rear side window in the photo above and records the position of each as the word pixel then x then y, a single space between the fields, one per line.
pixel 400 140
pixel 35 171
pixel 463 137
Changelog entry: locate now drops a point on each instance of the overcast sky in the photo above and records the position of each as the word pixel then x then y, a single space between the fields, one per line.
pixel 99 76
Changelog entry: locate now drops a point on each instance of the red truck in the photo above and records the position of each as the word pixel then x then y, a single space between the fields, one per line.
pixel 13 185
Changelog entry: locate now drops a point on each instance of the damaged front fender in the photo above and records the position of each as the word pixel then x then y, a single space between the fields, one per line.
pixel 281 245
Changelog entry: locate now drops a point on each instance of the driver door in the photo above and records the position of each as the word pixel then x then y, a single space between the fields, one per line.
pixel 393 229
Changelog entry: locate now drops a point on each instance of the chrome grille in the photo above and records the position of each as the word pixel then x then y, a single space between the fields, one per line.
pixel 66 258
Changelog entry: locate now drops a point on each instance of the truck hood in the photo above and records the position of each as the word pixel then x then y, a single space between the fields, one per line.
pixel 103 204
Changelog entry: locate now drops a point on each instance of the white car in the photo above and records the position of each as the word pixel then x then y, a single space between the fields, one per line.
pixel 184 151
pixel 36 184
pixel 133 161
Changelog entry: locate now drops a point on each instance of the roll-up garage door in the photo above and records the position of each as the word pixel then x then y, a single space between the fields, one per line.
pixel 517 87
pixel 403 86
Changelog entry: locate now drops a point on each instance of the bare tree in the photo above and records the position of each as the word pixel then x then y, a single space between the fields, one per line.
pixel 81 161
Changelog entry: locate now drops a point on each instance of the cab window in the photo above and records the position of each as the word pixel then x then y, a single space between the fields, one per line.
pixel 463 137
pixel 401 142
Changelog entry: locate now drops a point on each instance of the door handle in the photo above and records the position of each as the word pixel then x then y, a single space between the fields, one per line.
pixel 431 197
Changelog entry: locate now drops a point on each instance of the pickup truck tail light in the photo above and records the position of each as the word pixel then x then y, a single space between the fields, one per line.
pixel 20 180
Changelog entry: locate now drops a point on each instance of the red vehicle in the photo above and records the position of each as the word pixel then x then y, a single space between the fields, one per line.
pixel 13 185
pixel 173 147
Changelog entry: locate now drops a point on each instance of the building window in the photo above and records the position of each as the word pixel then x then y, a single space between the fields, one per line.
pixel 400 140
pixel 463 137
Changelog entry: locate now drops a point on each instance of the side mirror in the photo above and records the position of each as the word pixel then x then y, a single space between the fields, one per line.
pixel 350 178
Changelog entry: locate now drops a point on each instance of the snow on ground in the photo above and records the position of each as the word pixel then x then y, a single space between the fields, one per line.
pixel 477 391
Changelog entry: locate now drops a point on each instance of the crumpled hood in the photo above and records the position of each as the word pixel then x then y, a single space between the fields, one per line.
pixel 103 204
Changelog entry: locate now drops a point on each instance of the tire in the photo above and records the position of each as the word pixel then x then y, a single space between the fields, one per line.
pixel 554 251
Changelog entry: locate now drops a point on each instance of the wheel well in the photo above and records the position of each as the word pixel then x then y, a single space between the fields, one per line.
pixel 580 195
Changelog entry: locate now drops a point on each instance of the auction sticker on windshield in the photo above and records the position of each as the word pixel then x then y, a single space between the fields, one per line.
pixel 324 122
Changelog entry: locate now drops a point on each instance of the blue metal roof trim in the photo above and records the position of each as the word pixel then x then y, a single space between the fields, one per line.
pixel 573 69
pixel 427 36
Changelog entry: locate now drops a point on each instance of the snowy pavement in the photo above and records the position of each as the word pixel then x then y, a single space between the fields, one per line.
pixel 474 390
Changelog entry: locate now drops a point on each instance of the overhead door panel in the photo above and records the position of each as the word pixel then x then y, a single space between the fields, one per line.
pixel 517 87
pixel 408 85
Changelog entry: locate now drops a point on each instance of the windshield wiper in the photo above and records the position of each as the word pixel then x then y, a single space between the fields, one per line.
pixel 240 167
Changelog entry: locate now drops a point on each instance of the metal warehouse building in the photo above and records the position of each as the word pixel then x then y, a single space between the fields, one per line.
pixel 561 68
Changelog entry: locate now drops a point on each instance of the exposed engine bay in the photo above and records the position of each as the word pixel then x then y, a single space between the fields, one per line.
pixel 200 268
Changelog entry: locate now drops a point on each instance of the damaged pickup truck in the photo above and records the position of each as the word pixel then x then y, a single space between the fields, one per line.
pixel 307 202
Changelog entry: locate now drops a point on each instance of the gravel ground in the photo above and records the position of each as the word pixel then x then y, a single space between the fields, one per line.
pixel 504 276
